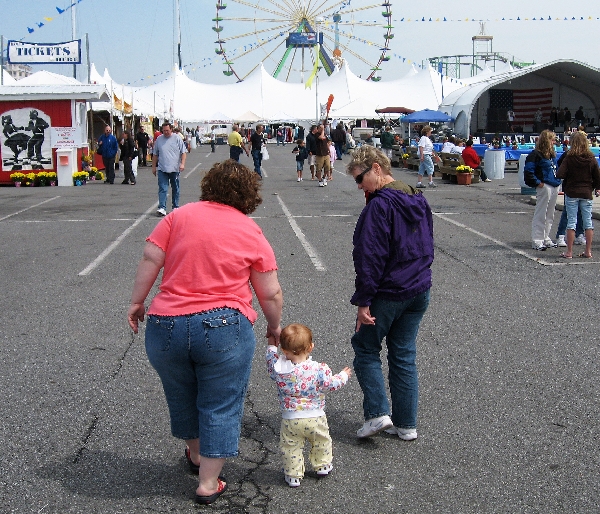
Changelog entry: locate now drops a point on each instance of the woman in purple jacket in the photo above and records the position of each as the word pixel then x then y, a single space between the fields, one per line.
pixel 393 252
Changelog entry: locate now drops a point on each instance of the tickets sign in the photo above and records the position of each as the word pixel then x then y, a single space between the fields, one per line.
pixel 21 52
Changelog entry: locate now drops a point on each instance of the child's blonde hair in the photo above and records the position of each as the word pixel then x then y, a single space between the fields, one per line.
pixel 296 338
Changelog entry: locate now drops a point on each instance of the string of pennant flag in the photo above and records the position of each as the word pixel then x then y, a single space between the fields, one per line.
pixel 247 48
pixel 48 19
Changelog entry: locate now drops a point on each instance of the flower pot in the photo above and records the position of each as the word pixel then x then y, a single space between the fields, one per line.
pixel 404 163
pixel 17 184
pixel 93 177
pixel 463 179
pixel 52 183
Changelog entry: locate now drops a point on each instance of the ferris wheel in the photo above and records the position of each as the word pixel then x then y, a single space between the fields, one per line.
pixel 283 35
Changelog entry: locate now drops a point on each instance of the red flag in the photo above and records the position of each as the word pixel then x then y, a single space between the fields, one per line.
pixel 329 102
pixel 527 101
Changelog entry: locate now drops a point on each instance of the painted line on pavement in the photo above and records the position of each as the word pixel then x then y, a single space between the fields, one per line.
pixel 312 254
pixel 533 258
pixel 98 260
pixel 193 169
pixel 27 208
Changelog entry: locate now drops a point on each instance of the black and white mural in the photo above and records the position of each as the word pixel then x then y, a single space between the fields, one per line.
pixel 25 140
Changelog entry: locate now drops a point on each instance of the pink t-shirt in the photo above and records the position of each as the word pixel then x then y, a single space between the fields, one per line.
pixel 210 249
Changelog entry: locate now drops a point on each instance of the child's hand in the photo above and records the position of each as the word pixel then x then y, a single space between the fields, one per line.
pixel 348 371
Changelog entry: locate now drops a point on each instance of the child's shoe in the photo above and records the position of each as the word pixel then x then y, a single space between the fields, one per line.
pixel 323 471
pixel 292 481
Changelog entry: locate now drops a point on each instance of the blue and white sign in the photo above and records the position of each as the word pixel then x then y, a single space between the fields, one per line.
pixel 21 52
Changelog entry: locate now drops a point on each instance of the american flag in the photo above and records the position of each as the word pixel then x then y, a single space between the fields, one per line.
pixel 524 102
pixel 527 101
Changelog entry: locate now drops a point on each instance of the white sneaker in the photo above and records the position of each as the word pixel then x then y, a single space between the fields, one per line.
pixel 374 426
pixel 420 185
pixel 161 212
pixel 298 179
pixel 324 181
pixel 561 242
pixel 580 239
pixel 321 184
pixel 548 243
pixel 292 481
pixel 323 471
pixel 486 180
pixel 538 246
pixel 406 434
pixel 432 184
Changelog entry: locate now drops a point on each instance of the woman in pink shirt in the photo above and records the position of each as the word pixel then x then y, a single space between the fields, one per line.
pixel 199 335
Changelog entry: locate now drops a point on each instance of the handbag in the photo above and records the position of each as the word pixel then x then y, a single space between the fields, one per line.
pixel 265 153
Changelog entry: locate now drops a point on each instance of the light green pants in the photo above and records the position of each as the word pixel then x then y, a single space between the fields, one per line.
pixel 293 434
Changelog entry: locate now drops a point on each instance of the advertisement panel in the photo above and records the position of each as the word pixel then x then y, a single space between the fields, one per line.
pixel 22 52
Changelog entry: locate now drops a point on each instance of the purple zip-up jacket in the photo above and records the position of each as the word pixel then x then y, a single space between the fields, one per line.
pixel 393 246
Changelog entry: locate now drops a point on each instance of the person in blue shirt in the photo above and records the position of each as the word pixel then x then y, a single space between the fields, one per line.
pixel 540 172
pixel 107 147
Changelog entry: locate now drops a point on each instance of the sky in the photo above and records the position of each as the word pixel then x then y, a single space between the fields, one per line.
pixel 135 40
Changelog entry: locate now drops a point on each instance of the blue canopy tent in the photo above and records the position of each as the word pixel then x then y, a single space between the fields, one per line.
pixel 426 116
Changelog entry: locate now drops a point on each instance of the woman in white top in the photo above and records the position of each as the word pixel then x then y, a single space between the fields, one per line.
pixel 425 154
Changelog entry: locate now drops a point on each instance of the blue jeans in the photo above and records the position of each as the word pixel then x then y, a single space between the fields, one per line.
pixel 399 323
pixel 562 224
pixel 578 207
pixel 204 362
pixel 163 188
pixel 257 158
pixel 338 149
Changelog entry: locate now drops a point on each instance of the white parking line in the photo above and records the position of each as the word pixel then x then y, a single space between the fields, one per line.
pixel 98 260
pixel 312 254
pixel 193 169
pixel 534 258
pixel 27 208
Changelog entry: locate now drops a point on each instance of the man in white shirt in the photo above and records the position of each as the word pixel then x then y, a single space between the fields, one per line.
pixel 168 160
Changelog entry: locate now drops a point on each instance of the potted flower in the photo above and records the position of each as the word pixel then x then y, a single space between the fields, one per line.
pixel 18 178
pixel 30 179
pixel 80 178
pixel 51 178
pixel 41 179
pixel 405 157
pixel 463 175
pixel 94 173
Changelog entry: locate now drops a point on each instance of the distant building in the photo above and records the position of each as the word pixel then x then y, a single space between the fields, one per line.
pixel 18 71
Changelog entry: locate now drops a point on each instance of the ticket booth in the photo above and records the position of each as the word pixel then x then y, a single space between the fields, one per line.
pixel 28 115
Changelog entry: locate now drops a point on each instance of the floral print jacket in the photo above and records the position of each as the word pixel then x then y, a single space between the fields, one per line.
pixel 301 387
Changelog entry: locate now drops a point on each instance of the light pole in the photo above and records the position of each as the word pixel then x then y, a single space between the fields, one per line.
pixel 318 21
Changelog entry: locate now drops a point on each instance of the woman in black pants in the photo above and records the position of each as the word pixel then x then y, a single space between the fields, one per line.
pixel 127 154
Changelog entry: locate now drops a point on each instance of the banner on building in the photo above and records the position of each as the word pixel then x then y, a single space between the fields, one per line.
pixel 21 52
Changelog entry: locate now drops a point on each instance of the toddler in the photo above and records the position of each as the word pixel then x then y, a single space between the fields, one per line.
pixel 332 159
pixel 301 155
pixel 302 384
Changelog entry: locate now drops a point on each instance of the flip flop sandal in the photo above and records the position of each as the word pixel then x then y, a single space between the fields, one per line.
pixel 584 256
pixel 207 500
pixel 565 256
pixel 194 468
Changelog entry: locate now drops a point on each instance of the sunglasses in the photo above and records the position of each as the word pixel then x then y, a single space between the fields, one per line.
pixel 359 178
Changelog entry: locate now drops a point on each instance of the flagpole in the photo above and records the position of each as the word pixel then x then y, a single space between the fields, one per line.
pixel 317 22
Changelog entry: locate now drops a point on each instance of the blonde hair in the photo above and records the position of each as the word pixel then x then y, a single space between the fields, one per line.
pixel 545 145
pixel 365 156
pixel 425 129
pixel 579 145
pixel 296 338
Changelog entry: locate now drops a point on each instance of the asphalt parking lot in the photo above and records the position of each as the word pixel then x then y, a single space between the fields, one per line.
pixel 508 358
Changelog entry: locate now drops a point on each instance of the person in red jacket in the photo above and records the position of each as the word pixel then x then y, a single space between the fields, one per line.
pixel 471 159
